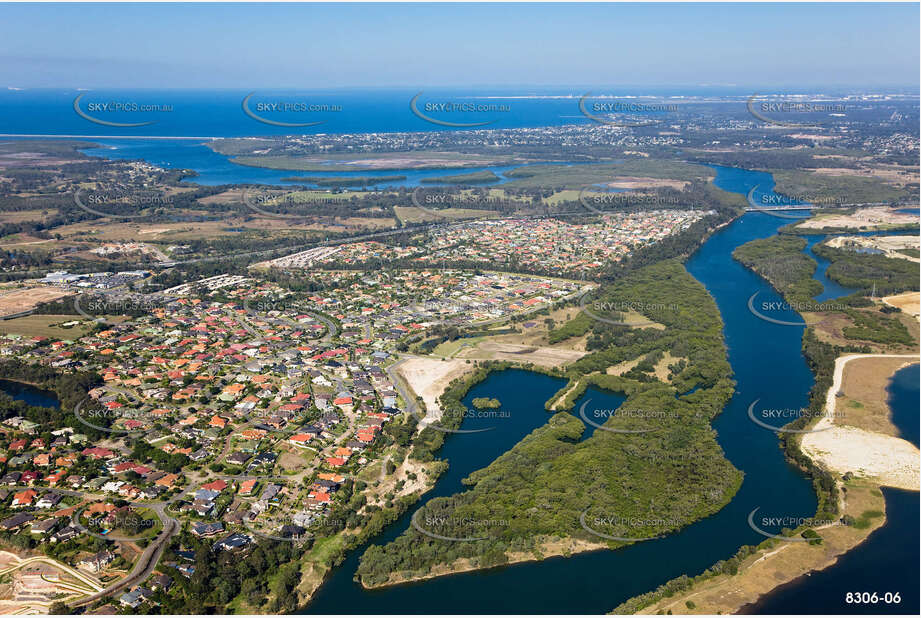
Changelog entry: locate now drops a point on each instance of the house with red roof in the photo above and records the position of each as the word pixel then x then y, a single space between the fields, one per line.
pixel 218 485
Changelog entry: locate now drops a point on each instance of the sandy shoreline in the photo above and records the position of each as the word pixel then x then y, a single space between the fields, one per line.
pixel 889 460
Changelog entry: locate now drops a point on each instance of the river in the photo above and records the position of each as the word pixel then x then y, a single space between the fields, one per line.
pixel 768 365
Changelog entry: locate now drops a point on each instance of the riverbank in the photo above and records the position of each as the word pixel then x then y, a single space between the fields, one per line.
pixel 887 460
pixel 781 562
pixel 548 549
pixel 864 460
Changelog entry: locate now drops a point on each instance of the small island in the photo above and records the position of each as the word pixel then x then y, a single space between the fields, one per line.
pixel 486 403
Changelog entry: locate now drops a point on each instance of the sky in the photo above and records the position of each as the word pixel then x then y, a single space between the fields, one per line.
pixel 316 46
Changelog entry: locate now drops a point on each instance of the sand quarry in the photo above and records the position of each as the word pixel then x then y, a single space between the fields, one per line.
pixel 862 217
pixel 886 459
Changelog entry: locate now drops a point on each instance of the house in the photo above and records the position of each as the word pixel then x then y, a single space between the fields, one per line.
pixel 20 519
pixel 136 597
pixel 65 534
pixel 203 508
pixel 97 562
pixel 299 440
pixel 206 529
pixel 49 500
pixel 248 486
pixel 271 490
pixel 45 526
pixel 168 481
pixel 98 452
pixel 106 610
pixel 160 582
pixel 232 542
pixel 217 486
pixel 24 498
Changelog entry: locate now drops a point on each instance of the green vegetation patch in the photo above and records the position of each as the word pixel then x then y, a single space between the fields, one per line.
pixel 780 260
pixel 865 271
pixel 828 189
pixel 340 181
pixel 628 485
pixel 473 178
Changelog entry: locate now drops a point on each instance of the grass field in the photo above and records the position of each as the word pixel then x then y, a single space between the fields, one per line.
pixel 411 214
pixel 43 326
pixel 17 216
pixel 577 176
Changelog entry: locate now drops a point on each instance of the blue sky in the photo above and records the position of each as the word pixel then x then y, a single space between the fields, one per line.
pixel 376 45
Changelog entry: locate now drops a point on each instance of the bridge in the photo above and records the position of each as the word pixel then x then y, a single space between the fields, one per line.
pixel 771 207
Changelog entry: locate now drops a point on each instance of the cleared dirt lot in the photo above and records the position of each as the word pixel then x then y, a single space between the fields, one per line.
pixel 862 218
pixel 889 245
pixel 428 378
pixel 843 448
pixel 544 356
pixel 909 302
pixel 640 182
pixel 27 299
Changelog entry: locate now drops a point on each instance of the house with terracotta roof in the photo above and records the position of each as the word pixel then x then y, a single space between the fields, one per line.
pixel 248 486
pixel 24 498
pixel 299 440
pixel 167 481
